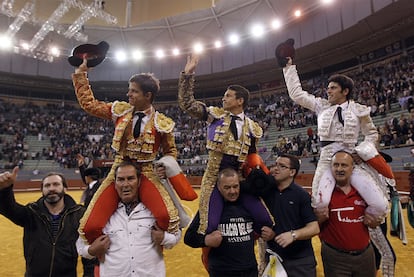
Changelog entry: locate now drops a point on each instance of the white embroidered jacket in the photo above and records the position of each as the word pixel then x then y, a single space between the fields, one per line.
pixel 356 117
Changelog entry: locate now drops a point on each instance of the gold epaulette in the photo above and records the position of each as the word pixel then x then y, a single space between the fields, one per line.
pixel 217 112
pixel 255 128
pixel 163 123
pixel 120 108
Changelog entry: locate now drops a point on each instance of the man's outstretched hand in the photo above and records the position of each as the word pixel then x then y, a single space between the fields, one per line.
pixel 192 62
pixel 8 178
pixel 83 67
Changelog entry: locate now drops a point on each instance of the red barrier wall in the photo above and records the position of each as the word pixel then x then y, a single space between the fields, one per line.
pixel 302 179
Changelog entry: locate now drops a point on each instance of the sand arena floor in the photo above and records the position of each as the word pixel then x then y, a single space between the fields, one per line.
pixel 180 261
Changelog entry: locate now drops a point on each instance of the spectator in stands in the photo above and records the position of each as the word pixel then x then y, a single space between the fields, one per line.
pixel 232 139
pixel 50 225
pixel 90 177
pixel 410 139
pixel 314 151
pixel 410 104
pixel 385 135
pixel 140 133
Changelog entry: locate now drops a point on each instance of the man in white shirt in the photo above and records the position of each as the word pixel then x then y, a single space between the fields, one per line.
pixel 132 242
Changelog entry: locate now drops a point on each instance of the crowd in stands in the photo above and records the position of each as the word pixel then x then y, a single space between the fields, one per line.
pixel 66 127
pixel 71 131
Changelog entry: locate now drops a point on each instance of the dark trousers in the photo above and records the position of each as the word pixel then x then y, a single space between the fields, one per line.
pixel 300 267
pixel 339 264
pixel 88 267
pixel 246 273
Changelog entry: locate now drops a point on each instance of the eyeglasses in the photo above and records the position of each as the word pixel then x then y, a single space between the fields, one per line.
pixel 281 166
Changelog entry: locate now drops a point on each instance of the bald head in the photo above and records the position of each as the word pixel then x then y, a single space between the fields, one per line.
pixel 342 167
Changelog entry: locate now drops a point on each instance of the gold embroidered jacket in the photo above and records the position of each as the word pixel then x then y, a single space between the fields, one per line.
pixel 157 132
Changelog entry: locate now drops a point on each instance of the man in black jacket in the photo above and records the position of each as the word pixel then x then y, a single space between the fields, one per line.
pixel 50 225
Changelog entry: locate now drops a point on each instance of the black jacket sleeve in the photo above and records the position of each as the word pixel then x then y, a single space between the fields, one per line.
pixel 12 210
pixel 192 238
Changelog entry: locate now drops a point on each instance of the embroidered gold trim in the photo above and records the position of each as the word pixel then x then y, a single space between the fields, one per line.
pixel 208 183
pixel 255 128
pixel 120 108
pixel 217 112
pixel 163 123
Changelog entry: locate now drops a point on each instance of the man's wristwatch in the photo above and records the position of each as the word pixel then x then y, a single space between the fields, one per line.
pixel 292 232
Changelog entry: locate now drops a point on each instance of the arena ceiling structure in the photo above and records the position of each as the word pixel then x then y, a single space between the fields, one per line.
pixel 157 35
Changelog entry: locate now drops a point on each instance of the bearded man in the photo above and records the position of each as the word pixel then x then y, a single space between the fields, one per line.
pixel 50 225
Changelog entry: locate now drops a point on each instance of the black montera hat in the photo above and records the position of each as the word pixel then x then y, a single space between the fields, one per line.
pixel 94 53
pixel 284 50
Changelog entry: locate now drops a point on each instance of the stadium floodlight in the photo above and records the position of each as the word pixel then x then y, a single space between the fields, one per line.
pixel 234 39
pixel 137 55
pixel 198 48
pixel 175 52
pixel 120 56
pixel 160 54
pixel 5 42
pixel 54 51
pixel 217 44
pixel 257 30
pixel 276 24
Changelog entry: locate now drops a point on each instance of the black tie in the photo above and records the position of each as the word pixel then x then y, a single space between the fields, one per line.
pixel 339 111
pixel 233 127
pixel 137 127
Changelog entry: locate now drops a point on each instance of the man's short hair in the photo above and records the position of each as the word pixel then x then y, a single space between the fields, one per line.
pixel 64 183
pixel 93 172
pixel 345 82
pixel 294 162
pixel 227 172
pixel 241 92
pixel 128 163
pixel 147 83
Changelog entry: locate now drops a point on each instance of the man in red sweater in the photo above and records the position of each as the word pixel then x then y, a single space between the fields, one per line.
pixel 346 249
